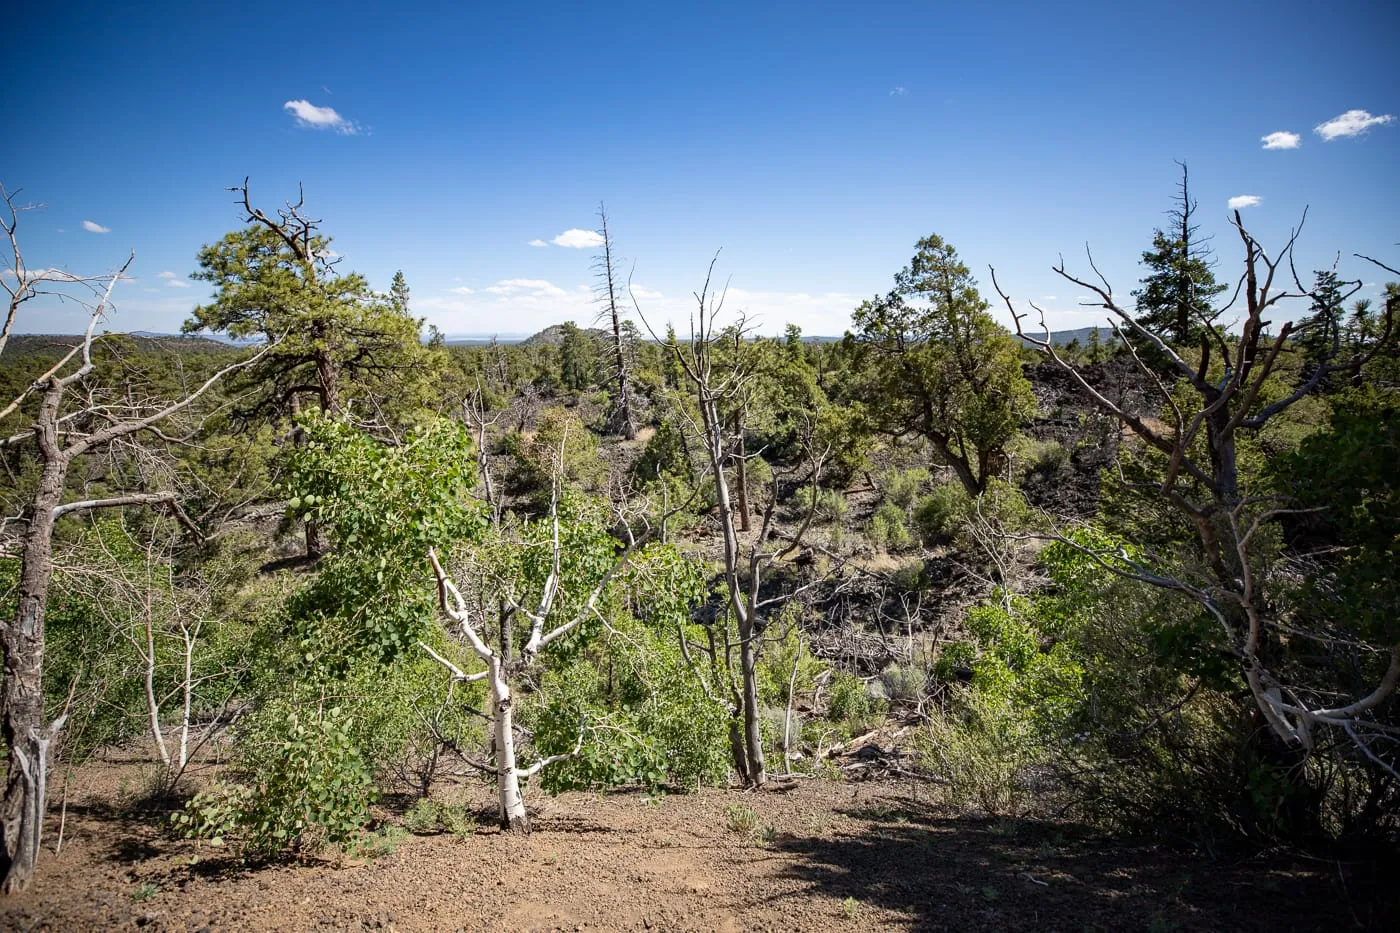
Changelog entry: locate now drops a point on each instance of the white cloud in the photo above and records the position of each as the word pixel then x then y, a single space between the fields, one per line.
pixel 463 290
pixel 1244 200
pixel 1048 298
pixel 578 239
pixel 1281 140
pixel 1351 123
pixel 91 227
pixel 534 288
pixel 538 243
pixel 310 116
pixel 641 291
pixel 167 275
pixel 177 283
pixel 899 91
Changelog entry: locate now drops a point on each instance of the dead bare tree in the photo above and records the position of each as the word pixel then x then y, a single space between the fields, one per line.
pixel 609 283
pixel 474 413
pixel 716 388
pixel 1211 403
pixel 158 619
pixel 67 425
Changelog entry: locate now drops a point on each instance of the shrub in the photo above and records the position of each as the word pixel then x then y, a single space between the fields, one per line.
pixel 741 819
pixel 851 704
pixel 887 529
pixel 986 751
pixel 1041 458
pixel 902 486
pixel 427 817
pixel 939 514
pixel 903 683
pixel 832 505
pixel 308 786
pixel 537 456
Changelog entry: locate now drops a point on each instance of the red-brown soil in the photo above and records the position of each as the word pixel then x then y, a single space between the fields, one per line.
pixel 824 856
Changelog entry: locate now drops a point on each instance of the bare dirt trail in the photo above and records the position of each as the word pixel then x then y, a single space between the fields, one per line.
pixel 825 856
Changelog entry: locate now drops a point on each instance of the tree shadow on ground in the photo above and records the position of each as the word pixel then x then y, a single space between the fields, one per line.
pixel 957 872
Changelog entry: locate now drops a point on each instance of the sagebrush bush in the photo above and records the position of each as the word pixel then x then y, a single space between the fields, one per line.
pixel 850 704
pixel 887 529
pixel 941 513
pixel 903 683
pixel 902 487
pixel 986 751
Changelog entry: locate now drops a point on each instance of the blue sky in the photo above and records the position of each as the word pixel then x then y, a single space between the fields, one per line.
pixel 814 143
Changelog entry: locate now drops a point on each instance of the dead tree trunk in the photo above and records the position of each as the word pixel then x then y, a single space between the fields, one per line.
pixel 605 267
pixel 743 564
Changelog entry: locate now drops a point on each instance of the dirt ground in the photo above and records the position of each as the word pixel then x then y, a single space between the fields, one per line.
pixel 822 856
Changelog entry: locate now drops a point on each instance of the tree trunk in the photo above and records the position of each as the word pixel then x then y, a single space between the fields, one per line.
pixel 328 375
pixel 512 803
pixel 22 721
pixel 737 749
pixel 753 731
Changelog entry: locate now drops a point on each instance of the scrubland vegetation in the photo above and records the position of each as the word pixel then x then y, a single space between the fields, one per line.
pixel 1144 582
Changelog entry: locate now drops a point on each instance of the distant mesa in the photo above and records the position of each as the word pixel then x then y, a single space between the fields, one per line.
pixel 1063 338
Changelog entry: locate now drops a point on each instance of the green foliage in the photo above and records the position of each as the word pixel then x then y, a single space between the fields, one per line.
pixel 904 683
pixel 1045 459
pixel 887 529
pixel 846 430
pixel 1177 296
pixel 1348 471
pixel 902 487
pixel 665 454
pixel 932 361
pixel 941 513
pixel 578 358
pixel 832 505
pixel 385 507
pixel 776 662
pixel 334 333
pixel 561 438
pixel 741 819
pixel 850 704
pixel 644 716
pixel 985 750
pixel 427 817
pixel 308 785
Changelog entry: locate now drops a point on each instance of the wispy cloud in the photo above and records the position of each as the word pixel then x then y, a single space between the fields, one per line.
pixel 1351 123
pixel 1281 140
pixel 641 291
pixel 538 243
pixel 167 275
pixel 536 288
pixel 176 283
pixel 898 91
pixel 463 290
pixel 91 227
pixel 309 116
pixel 1244 200
pixel 578 239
